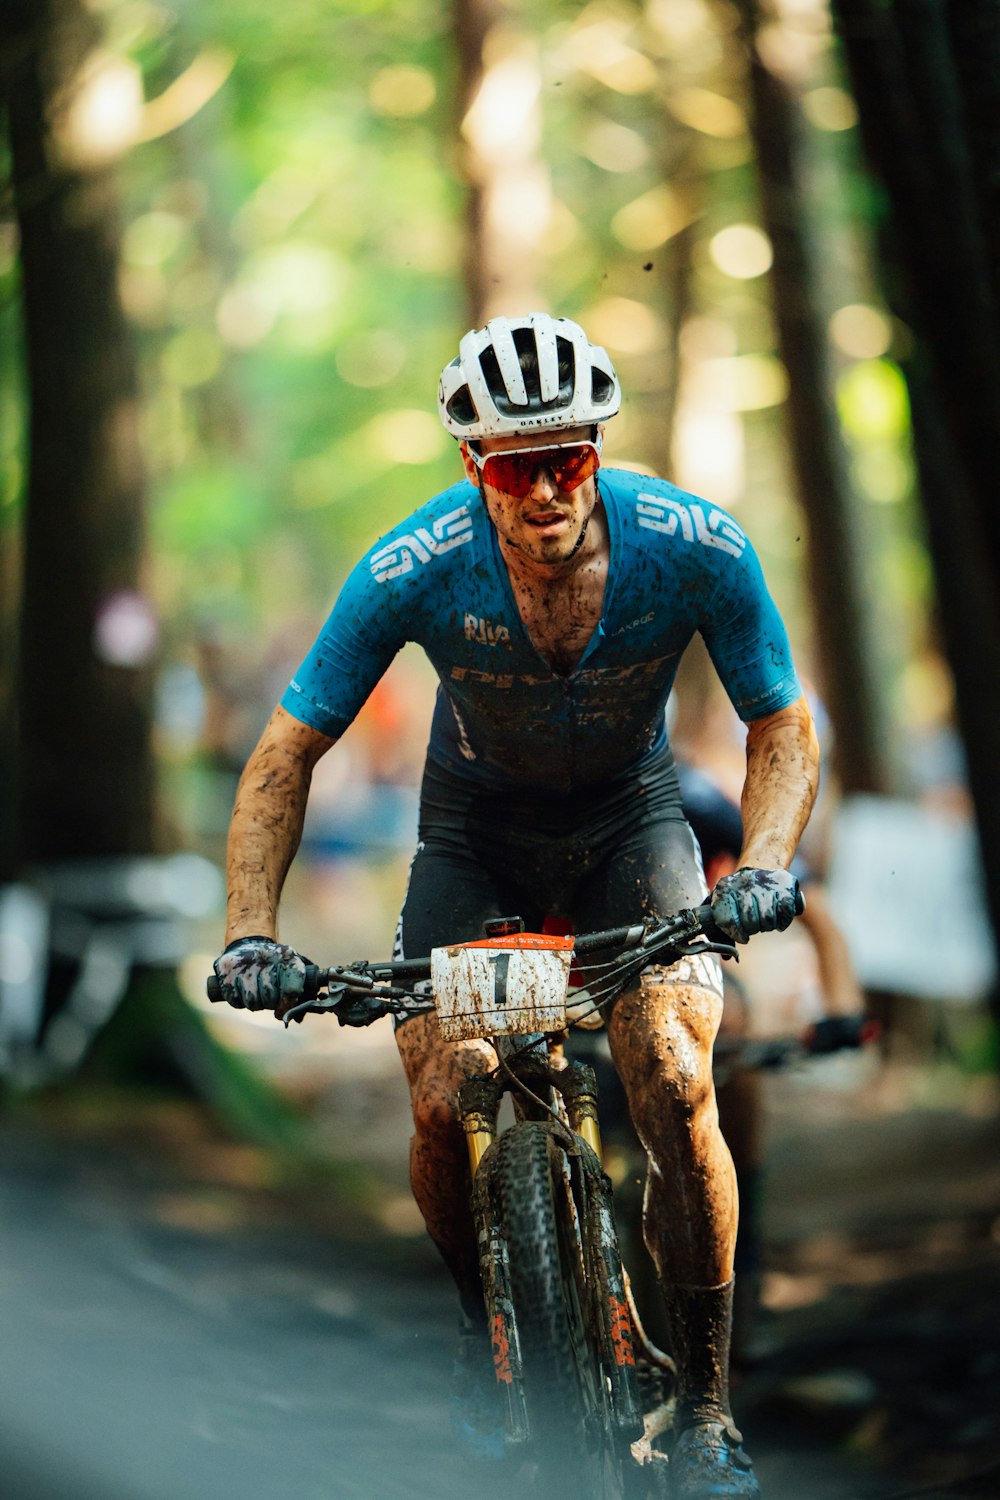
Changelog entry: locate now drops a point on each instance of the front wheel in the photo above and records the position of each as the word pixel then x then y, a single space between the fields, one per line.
pixel 575 1443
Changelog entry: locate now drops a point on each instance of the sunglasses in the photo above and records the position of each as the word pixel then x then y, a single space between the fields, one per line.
pixel 513 472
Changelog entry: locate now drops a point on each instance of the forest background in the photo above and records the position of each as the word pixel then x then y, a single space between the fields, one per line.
pixel 235 253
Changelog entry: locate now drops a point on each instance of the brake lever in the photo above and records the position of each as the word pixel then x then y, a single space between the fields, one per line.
pixel 316 1004
pixel 707 945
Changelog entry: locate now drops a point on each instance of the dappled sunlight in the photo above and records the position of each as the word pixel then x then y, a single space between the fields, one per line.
pixel 600 44
pixel 711 113
pixel 154 238
pixel 504 116
pixel 625 326
pixel 741 251
pixel 299 211
pixel 830 108
pixel 742 382
pixel 102 113
pixel 653 218
pixel 615 147
pixel 371 359
pixel 680 23
pixel 200 81
pixel 872 400
pixel 192 357
pixel 709 452
pixel 406 437
pixel 402 90
pixel 861 331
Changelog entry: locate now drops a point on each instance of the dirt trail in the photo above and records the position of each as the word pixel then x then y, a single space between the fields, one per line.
pixel 209 1295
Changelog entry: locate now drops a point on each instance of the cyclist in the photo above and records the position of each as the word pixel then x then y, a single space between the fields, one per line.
pixel 554 598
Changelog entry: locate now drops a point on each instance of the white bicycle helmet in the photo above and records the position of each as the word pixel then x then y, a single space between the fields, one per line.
pixel 525 374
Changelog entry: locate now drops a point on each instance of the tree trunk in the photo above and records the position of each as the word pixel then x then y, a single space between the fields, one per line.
pixel 937 279
pixel 836 572
pixel 472 21
pixel 86 778
pixel 508 203
pixel 975 32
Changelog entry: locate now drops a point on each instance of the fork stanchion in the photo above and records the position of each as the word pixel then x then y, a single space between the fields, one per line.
pixel 478 1105
pixel 578 1086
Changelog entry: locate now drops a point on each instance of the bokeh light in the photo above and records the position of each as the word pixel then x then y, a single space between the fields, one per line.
pixel 625 326
pixel 861 331
pixel 402 91
pixel 742 251
pixel 830 108
pixel 652 219
pixel 710 113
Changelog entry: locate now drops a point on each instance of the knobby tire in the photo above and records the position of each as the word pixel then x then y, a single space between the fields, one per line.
pixel 575 1445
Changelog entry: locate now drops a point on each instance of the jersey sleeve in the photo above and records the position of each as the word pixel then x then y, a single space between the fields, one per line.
pixel 745 634
pixel 354 648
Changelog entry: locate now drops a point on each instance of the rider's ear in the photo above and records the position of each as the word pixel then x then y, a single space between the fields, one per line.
pixel 471 472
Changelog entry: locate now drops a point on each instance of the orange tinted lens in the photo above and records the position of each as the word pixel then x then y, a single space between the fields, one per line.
pixel 514 473
pixel 571 466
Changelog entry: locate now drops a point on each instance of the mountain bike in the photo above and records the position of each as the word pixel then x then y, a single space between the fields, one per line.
pixel 569 1350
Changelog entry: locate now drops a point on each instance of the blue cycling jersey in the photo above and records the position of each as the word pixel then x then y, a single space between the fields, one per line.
pixel 503 717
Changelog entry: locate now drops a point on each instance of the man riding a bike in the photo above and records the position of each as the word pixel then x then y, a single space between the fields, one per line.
pixel 555 598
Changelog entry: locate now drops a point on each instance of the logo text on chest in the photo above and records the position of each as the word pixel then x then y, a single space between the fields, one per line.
pixel 634 624
pixel 485 632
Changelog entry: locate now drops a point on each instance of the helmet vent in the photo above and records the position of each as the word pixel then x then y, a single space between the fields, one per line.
pixel 529 373
pixel 527 354
pixel 601 387
pixel 461 409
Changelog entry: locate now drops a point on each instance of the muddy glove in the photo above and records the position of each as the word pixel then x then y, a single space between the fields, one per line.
pixel 835 1033
pixel 258 973
pixel 750 901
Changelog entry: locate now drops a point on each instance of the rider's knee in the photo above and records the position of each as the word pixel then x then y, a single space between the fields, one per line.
pixel 435 1111
pixel 435 1092
pixel 670 1064
pixel 672 1096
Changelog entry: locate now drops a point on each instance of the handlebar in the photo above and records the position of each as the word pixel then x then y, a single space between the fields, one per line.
pixel 362 992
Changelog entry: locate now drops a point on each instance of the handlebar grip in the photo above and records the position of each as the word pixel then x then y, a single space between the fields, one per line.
pixel 312 980
pixel 708 924
pixel 800 900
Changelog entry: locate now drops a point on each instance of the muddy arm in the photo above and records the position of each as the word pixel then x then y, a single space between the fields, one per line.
pixel 267 823
pixel 780 787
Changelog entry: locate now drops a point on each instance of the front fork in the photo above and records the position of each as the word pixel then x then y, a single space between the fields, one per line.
pixel 479 1104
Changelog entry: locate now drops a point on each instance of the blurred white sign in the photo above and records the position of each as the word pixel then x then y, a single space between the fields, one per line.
pixel 906 885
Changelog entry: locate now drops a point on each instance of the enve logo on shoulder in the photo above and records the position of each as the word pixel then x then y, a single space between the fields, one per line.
pixel 397 557
pixel 485 632
pixel 658 513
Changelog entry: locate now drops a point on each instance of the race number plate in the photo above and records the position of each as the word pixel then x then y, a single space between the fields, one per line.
pixel 502 987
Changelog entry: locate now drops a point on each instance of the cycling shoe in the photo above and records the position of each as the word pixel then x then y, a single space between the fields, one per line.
pixel 708 1462
pixel 474 1407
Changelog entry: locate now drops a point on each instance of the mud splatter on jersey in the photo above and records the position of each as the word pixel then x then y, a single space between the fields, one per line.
pixel 678 565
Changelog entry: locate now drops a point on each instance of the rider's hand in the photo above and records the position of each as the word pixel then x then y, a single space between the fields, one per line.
pixel 259 973
pixel 750 901
pixel 834 1033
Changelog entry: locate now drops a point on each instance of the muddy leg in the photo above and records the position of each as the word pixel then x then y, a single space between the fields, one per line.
pixel 741 1113
pixel 439 1162
pixel 661 1036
